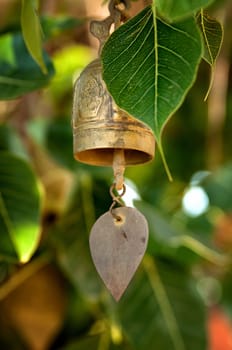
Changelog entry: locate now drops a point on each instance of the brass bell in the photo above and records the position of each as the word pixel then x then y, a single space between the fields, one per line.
pixel 100 127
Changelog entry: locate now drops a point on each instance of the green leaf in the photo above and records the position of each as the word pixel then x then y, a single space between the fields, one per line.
pixel 180 244
pixel 212 32
pixel 226 293
pixel 71 239
pixel 11 141
pixel 54 26
pixel 32 32
pixel 149 66
pixel 175 9
pixel 96 342
pixel 172 314
pixel 218 188
pixel 19 73
pixel 19 207
pixel 90 342
pixel 5 133
pixel 59 131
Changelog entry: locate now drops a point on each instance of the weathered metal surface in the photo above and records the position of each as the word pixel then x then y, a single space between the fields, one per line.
pixel 100 126
pixel 117 247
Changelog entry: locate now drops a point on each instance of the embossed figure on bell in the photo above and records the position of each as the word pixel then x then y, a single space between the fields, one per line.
pixel 100 127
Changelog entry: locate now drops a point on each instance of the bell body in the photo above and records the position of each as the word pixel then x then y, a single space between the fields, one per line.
pixel 100 127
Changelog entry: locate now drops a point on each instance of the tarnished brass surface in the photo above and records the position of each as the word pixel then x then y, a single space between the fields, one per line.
pixel 100 126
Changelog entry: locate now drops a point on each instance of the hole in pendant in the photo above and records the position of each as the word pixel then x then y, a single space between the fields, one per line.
pixel 117 218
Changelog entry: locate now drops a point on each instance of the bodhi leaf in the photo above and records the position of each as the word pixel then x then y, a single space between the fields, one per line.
pixel 175 9
pixel 19 73
pixel 19 208
pixel 32 32
pixel 212 33
pixel 149 66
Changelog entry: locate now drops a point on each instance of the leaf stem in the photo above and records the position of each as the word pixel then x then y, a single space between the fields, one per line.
pixel 16 82
pixel 203 251
pixel 166 167
pixel 104 342
pixel 156 89
pixel 156 60
pixel 210 83
pixel 164 303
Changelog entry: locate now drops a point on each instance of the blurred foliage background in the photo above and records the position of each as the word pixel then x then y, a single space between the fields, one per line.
pixel 181 296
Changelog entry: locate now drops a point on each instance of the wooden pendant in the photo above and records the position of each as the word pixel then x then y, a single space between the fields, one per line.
pixel 118 241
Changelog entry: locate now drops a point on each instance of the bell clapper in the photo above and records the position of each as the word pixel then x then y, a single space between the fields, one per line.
pixel 119 168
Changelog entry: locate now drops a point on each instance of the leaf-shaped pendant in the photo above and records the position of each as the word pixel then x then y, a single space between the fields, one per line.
pixel 118 242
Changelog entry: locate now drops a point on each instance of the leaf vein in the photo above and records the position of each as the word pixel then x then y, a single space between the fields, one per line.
pixel 133 56
pixel 171 81
pixel 131 43
pixel 181 31
pixel 175 54
pixel 134 74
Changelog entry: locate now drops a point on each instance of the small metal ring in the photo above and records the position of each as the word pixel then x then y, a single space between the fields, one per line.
pixel 115 216
pixel 117 198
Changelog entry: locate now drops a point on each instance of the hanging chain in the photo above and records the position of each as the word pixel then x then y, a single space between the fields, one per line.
pixel 117 199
